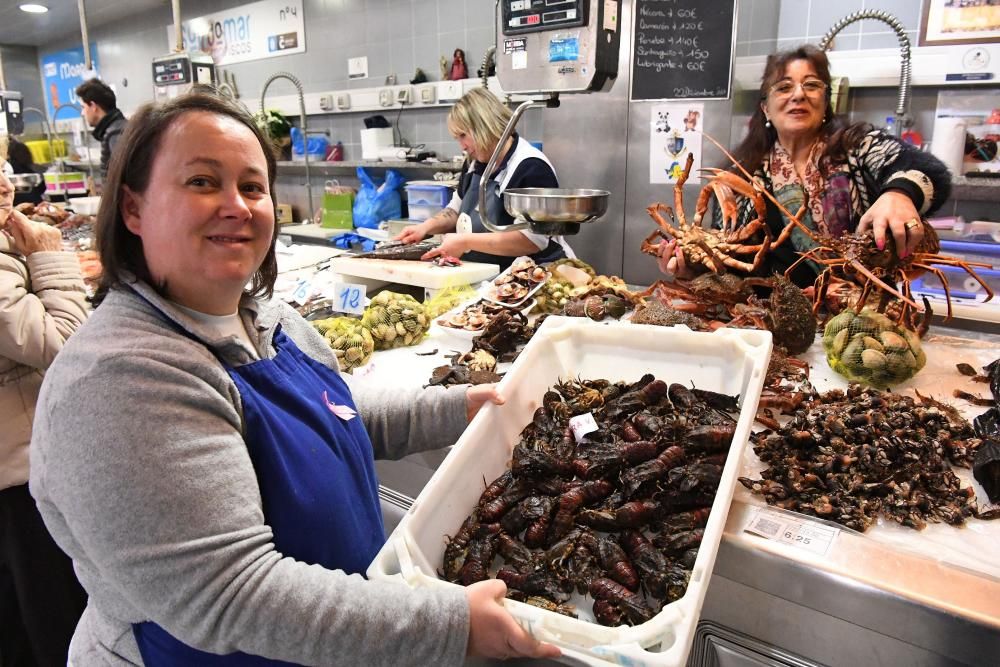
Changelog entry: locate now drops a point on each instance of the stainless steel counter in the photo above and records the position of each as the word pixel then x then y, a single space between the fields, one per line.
pixel 865 602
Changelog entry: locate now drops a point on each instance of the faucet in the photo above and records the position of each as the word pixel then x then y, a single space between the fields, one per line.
pixel 90 161
pixel 903 101
pixel 302 121
pixel 48 135
pixel 491 51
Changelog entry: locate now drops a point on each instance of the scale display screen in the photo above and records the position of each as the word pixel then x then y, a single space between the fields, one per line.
pixel 525 16
pixel 175 71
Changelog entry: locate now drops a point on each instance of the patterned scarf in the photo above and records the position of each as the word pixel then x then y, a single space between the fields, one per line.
pixel 829 197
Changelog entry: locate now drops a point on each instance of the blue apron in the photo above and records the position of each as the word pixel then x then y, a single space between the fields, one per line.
pixel 499 216
pixel 317 481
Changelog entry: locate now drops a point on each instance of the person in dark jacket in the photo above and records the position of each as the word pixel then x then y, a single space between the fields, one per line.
pixel 102 113
pixel 19 158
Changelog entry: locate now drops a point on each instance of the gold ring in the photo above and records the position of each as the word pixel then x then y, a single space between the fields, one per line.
pixel 911 223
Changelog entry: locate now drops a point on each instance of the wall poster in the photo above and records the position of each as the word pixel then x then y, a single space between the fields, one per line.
pixel 675 130
pixel 251 32
pixel 960 22
pixel 62 72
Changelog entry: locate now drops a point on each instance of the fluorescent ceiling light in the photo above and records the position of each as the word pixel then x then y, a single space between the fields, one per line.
pixel 34 9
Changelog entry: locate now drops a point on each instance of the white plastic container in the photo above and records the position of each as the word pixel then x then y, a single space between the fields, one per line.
pixel 732 361
pixel 85 205
pixel 425 198
pixel 373 139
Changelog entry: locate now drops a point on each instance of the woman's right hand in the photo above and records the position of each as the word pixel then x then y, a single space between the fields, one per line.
pixel 28 236
pixel 671 261
pixel 412 234
pixel 493 632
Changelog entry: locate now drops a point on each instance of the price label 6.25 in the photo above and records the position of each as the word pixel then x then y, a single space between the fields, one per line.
pixel 801 533
pixel 349 298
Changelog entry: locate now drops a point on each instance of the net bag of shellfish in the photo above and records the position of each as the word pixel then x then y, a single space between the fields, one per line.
pixel 395 320
pixel 349 339
pixel 869 348
pixel 446 299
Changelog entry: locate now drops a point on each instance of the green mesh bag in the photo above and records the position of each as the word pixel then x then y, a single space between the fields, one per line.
pixel 869 348
pixel 395 320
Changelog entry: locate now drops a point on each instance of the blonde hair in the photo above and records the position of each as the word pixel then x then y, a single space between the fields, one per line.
pixel 482 116
pixel 3 149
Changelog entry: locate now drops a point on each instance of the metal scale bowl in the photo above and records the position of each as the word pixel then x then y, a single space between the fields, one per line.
pixel 555 211
pixel 550 211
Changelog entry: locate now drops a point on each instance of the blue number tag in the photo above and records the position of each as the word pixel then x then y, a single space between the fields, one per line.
pixel 349 298
pixel 303 290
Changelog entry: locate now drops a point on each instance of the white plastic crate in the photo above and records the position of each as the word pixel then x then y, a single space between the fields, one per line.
pixel 731 361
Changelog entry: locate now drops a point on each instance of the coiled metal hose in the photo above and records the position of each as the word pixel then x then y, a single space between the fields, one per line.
pixel 302 121
pixel 903 100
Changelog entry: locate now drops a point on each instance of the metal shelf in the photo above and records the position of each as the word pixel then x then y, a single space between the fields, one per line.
pixel 296 166
pixel 975 189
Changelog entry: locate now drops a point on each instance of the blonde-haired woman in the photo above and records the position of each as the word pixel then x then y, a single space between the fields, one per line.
pixel 41 303
pixel 477 121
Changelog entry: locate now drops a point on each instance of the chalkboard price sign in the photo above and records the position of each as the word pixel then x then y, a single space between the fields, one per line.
pixel 682 49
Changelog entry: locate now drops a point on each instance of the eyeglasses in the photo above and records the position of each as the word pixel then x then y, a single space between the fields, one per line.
pixel 785 89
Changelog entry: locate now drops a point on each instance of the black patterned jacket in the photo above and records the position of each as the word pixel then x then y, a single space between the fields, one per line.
pixel 879 163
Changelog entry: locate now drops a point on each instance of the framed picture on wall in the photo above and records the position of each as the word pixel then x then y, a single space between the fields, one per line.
pixel 960 22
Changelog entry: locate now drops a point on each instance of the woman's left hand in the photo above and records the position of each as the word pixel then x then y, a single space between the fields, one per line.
pixel 478 395
pixel 894 212
pixel 451 244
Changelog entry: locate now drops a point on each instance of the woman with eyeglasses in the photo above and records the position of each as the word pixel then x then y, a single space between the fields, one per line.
pixel 854 177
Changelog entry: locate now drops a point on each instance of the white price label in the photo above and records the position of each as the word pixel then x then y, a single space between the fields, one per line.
pixel 800 533
pixel 349 298
pixel 581 425
pixel 302 292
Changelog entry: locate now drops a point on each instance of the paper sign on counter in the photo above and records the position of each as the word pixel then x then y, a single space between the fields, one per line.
pixel 800 533
pixel 349 298
pixel 581 425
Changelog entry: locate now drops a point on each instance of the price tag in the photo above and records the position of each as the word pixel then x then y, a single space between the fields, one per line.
pixel 349 298
pixel 800 533
pixel 581 425
pixel 302 292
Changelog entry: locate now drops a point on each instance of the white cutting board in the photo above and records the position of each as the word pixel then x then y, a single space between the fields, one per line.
pixel 414 272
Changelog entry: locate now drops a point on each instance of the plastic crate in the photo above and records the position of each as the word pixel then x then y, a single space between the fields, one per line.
pixel 41 153
pixel 960 283
pixel 423 193
pixel 986 253
pixel 70 182
pixel 420 212
pixel 732 361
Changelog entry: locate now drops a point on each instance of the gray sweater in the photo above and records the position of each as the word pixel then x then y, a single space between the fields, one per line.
pixel 141 473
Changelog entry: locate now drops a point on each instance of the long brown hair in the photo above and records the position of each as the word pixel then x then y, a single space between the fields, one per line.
pixel 838 135
pixel 132 164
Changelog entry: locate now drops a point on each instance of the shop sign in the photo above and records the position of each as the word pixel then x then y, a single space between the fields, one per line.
pixel 62 72
pixel 259 30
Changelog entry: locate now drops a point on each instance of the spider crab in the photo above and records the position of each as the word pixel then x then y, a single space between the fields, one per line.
pixel 716 249
pixel 856 257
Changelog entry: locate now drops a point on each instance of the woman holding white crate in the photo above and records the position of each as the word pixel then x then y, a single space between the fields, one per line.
pixel 198 454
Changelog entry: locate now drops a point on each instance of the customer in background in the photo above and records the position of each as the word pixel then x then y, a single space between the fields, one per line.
pixel 41 304
pixel 101 112
pixel 856 177
pixel 19 159
pixel 197 451
pixel 477 121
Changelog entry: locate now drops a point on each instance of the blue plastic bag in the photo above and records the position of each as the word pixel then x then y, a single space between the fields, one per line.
pixel 317 145
pixel 375 203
